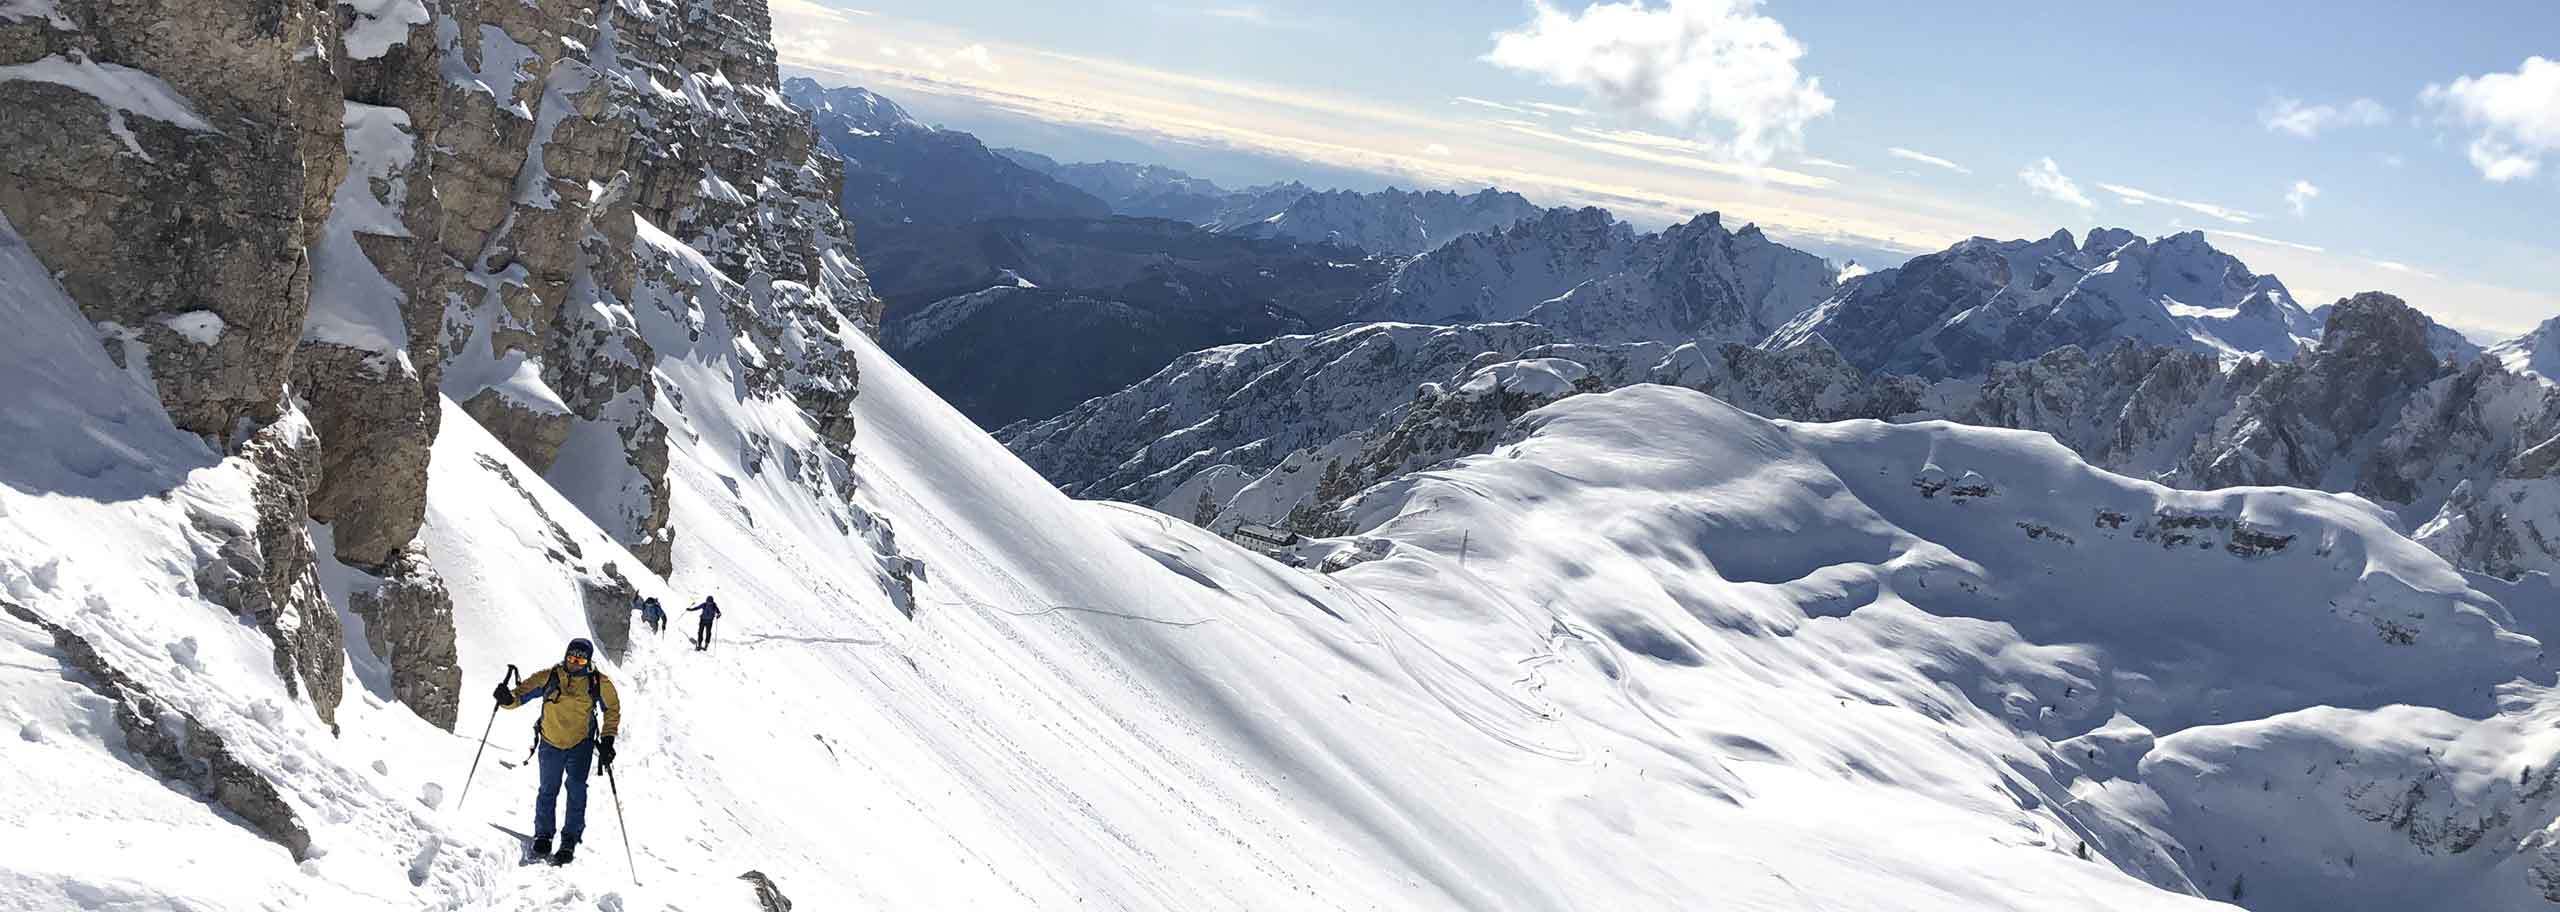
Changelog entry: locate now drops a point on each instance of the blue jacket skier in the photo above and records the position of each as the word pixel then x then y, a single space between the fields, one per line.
pixel 710 609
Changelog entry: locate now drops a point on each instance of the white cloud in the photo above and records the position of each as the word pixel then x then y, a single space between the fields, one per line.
pixel 1691 63
pixel 1496 105
pixel 2262 239
pixel 976 55
pixel 2517 115
pixel 1567 110
pixel 1436 150
pixel 2300 197
pixel 2500 162
pixel 2046 179
pixel 1824 163
pixel 1927 159
pixel 1247 14
pixel 2290 115
pixel 2134 197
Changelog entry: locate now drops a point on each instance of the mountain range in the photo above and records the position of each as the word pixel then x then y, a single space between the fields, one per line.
pixel 362 356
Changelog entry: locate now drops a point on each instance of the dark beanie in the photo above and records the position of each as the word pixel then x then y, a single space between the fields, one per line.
pixel 580 647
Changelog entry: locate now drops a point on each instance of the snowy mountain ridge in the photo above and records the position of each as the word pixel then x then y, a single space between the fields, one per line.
pixel 2537 352
pixel 899 172
pixel 1956 312
pixel 1591 277
pixel 1247 433
pixel 470 344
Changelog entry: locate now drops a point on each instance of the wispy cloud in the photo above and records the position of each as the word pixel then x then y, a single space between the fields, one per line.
pixel 2263 239
pixel 1927 159
pixel 2135 197
pixel 2299 198
pixel 2047 180
pixel 2290 115
pixel 977 55
pixel 1436 150
pixel 2405 269
pixel 1824 163
pixel 1566 110
pixel 2516 116
pixel 1654 148
pixel 1497 106
pixel 1244 13
pixel 1708 65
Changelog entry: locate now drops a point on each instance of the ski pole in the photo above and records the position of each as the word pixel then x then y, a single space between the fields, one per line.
pixel 511 684
pixel 621 822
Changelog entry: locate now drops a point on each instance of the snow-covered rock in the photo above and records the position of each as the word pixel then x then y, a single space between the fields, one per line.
pixel 1957 312
pixel 1592 278
pixel 2536 352
pixel 1156 191
pixel 1391 221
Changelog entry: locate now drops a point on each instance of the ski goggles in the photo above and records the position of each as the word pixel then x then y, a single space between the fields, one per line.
pixel 576 661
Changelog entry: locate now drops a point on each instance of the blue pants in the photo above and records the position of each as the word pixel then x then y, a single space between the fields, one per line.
pixel 557 766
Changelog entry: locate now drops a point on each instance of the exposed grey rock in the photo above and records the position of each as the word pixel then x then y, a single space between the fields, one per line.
pixel 408 623
pixel 2298 418
pixel 172 744
pixel 144 219
pixel 289 605
pixel 376 422
pixel 609 603
pixel 768 896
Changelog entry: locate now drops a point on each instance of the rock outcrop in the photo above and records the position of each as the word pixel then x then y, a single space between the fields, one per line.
pixel 306 225
pixel 173 744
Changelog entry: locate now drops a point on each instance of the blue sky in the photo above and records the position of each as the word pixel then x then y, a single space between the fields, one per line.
pixel 2304 137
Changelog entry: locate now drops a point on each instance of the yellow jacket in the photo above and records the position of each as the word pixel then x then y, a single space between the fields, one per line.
pixel 569 709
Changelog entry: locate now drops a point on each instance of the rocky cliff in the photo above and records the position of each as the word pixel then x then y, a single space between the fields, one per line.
pixel 306 224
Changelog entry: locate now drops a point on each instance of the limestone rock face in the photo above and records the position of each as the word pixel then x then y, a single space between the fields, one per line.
pixel 2299 418
pixel 288 603
pixel 408 623
pixel 172 178
pixel 306 223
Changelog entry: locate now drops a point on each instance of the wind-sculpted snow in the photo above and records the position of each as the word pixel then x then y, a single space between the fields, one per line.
pixel 1786 591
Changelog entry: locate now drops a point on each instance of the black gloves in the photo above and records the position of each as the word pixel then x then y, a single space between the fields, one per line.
pixel 503 695
pixel 604 751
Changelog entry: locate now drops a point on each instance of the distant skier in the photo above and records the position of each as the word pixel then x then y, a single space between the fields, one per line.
pixel 574 695
pixel 710 609
pixel 653 615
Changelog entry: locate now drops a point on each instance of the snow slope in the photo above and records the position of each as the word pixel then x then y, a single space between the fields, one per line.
pixel 1658 654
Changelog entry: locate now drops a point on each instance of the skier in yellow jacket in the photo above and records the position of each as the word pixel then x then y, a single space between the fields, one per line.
pixel 580 713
